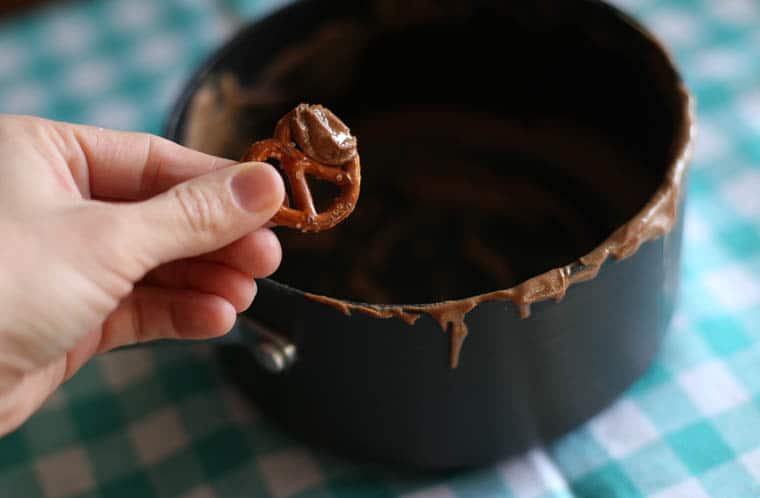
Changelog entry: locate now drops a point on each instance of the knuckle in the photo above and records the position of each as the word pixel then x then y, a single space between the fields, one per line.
pixel 152 166
pixel 200 208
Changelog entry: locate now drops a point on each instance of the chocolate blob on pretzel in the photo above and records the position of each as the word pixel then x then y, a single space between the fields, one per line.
pixel 312 141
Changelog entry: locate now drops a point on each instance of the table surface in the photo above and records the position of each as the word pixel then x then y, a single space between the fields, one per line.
pixel 164 423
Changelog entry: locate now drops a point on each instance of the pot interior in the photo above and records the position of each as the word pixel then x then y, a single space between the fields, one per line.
pixel 497 142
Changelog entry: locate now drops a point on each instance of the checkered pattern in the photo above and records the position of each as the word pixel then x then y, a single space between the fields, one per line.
pixel 161 423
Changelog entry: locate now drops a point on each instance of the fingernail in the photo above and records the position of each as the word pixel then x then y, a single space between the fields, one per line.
pixel 257 187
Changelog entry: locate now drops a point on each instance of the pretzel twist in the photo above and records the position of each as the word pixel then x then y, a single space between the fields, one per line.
pixel 300 212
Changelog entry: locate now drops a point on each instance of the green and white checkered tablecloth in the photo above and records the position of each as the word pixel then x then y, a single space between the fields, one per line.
pixel 163 423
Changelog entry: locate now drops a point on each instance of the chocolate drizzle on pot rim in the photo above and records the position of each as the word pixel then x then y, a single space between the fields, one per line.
pixel 654 220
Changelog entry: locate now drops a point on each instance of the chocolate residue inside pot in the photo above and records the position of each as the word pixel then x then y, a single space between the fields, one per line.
pixel 226 116
pixel 463 194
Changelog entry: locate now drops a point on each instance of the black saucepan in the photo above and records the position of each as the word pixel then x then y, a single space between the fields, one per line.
pixel 456 84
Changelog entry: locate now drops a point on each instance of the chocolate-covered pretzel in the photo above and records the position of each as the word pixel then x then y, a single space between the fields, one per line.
pixel 311 141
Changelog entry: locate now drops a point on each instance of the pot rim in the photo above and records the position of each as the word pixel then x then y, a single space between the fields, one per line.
pixel 681 150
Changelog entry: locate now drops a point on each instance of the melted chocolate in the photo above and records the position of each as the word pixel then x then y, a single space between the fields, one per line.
pixel 321 135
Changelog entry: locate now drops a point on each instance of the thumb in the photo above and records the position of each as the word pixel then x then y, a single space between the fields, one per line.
pixel 207 212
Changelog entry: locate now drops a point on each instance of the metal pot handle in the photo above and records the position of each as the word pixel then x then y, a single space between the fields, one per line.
pixel 271 350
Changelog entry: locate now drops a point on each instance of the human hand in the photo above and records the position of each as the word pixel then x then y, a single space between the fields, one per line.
pixel 112 238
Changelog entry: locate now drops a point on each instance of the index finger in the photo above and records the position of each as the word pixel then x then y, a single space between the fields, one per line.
pixel 132 166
